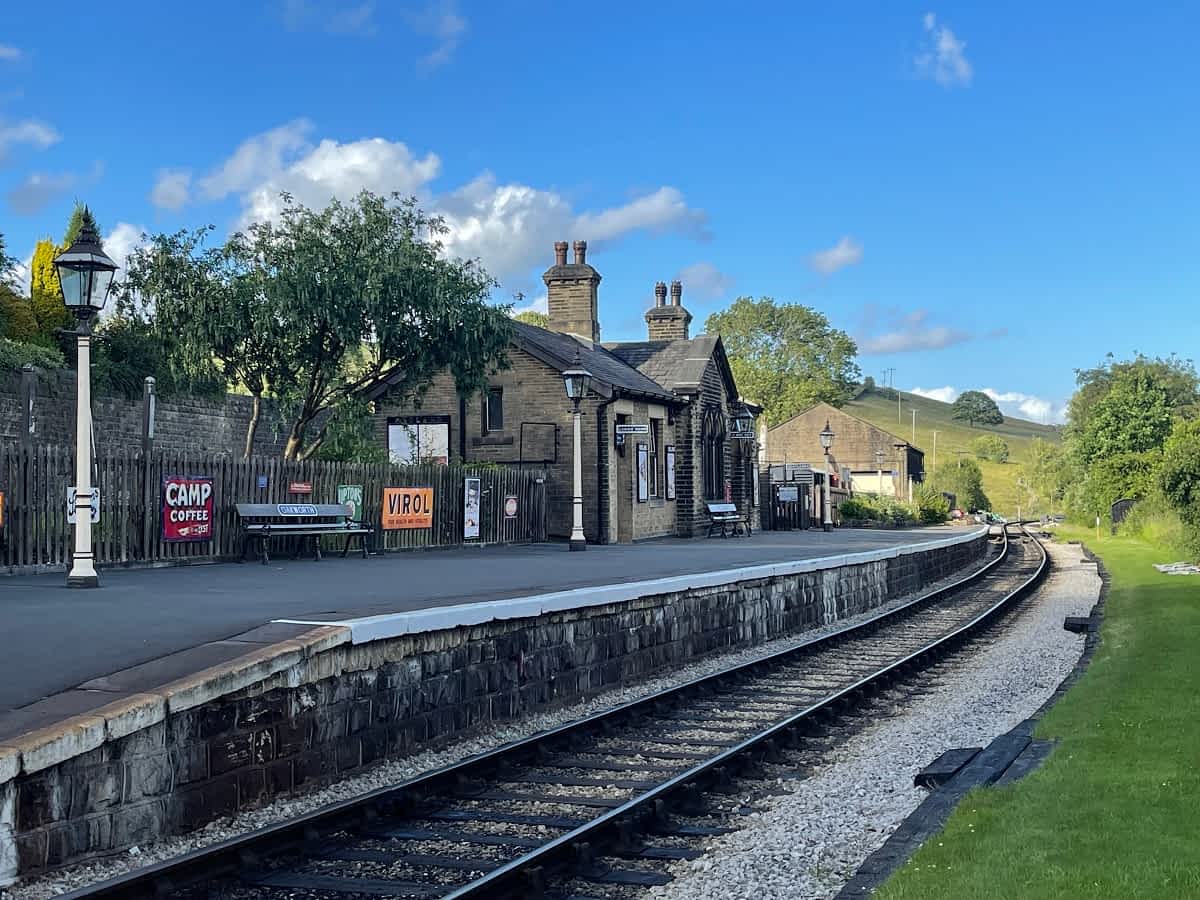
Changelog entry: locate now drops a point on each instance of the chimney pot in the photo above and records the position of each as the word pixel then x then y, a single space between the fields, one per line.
pixel 660 294
pixel 580 253
pixel 560 253
pixel 676 293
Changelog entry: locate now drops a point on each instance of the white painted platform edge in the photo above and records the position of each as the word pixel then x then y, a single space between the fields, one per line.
pixel 389 625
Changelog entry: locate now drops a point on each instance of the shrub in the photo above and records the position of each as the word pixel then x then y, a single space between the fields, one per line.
pixel 990 447
pixel 14 355
pixel 853 508
pixel 932 507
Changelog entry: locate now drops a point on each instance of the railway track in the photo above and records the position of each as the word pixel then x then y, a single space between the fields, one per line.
pixel 598 807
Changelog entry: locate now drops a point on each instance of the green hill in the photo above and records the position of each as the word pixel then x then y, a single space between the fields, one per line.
pixel 953 435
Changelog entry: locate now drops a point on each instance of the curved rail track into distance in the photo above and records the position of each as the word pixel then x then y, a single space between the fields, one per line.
pixel 606 801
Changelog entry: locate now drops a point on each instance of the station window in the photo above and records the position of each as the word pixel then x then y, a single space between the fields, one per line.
pixel 655 443
pixel 493 410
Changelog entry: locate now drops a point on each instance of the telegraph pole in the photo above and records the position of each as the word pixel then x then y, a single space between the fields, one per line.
pixel 935 434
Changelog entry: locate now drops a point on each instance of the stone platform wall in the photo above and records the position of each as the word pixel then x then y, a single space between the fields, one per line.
pixel 323 711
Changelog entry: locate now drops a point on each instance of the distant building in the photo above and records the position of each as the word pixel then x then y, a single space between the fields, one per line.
pixel 854 450
pixel 656 432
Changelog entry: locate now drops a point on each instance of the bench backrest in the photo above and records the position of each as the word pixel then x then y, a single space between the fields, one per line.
pixel 294 510
pixel 721 508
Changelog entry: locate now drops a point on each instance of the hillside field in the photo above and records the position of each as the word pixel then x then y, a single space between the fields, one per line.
pixel 999 479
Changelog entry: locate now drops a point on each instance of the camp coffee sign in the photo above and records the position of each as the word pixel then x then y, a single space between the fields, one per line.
pixel 187 508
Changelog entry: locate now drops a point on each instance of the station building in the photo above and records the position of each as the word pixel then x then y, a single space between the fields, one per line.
pixel 658 435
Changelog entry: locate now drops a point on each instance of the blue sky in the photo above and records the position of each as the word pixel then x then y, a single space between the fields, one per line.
pixel 984 195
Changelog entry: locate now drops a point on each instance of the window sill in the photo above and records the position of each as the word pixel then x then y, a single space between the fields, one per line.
pixel 492 441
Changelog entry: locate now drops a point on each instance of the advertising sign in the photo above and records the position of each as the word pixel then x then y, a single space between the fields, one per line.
pixel 788 493
pixel 510 507
pixel 643 472
pixel 351 495
pixel 407 507
pixel 299 487
pixel 2 509
pixel 71 497
pixel 670 473
pixel 470 508
pixel 261 482
pixel 187 508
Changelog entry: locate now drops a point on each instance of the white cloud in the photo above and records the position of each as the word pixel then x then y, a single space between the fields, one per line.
pixel 911 332
pixel 705 280
pixel 942 56
pixel 31 132
pixel 440 20
pixel 510 227
pixel 539 305
pixel 333 16
pixel 945 394
pixel 38 189
pixel 21 273
pixel 846 252
pixel 358 19
pixel 171 189
pixel 9 53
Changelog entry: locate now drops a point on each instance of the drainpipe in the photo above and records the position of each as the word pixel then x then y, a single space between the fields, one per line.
pixel 602 451
pixel 462 427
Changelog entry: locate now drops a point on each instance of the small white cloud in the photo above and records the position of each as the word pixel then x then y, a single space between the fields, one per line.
pixel 30 132
pixel 661 211
pixel 334 16
pixel 21 273
pixel 846 252
pixel 539 305
pixel 910 332
pixel 705 280
pixel 1027 406
pixel 945 394
pixel 440 20
pixel 9 53
pixel 261 157
pixel 38 189
pixel 171 189
pixel 942 56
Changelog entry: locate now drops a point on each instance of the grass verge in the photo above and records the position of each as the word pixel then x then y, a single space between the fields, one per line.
pixel 1115 812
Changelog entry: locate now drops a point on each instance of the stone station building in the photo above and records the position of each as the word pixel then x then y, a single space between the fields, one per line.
pixel 657 442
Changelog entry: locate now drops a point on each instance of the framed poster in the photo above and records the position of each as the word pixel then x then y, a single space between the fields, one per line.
pixel 643 474
pixel 510 506
pixel 407 507
pixel 670 472
pixel 470 509
pixel 351 495
pixel 187 508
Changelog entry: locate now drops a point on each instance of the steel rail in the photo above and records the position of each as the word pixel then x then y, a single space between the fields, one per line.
pixel 235 854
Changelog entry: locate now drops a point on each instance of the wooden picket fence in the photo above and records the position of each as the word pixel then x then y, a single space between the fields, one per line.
pixel 36 535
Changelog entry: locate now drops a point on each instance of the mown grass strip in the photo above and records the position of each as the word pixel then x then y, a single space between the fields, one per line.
pixel 1115 812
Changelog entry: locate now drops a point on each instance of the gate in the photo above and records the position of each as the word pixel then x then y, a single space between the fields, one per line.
pixel 789 487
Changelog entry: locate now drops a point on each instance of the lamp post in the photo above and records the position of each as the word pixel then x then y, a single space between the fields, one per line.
pixel 86 274
pixel 827 442
pixel 576 380
pixel 879 469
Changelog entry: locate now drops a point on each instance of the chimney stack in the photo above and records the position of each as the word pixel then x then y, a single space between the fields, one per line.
pixel 668 322
pixel 572 293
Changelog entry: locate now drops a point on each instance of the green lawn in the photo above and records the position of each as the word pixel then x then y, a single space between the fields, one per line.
pixel 999 480
pixel 1115 812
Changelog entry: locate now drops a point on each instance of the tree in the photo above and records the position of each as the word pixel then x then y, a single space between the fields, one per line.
pixel 45 294
pixel 1176 377
pixel 80 216
pixel 786 356
pixel 990 447
pixel 963 479
pixel 1047 473
pixel 1133 415
pixel 976 407
pixel 533 317
pixel 1179 473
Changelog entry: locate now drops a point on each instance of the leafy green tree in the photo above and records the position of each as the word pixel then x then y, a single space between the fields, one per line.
pixel 45 294
pixel 976 408
pixel 786 356
pixel 533 317
pixel 1047 473
pixel 1179 475
pixel 1133 415
pixel 1112 478
pixel 990 447
pixel 1176 378
pixel 80 216
pixel 964 479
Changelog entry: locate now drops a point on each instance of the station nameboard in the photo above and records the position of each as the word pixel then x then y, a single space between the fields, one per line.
pixel 633 429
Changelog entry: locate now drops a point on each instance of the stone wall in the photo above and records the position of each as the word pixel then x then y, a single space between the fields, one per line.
pixel 316 717
pixel 194 424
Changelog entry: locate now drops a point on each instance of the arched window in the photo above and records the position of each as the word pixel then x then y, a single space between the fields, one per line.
pixel 712 452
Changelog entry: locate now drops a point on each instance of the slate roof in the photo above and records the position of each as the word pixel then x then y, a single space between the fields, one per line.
pixel 612 373
pixel 678 364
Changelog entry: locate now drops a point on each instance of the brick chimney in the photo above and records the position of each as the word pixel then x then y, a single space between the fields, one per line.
pixel 571 293
pixel 668 322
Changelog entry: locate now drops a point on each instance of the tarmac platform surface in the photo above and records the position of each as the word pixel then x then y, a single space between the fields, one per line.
pixel 67 643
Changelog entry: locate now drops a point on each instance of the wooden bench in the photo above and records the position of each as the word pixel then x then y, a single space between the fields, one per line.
pixel 263 521
pixel 726 516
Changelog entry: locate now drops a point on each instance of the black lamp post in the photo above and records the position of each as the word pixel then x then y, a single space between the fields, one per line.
pixel 576 380
pixel 85 273
pixel 826 437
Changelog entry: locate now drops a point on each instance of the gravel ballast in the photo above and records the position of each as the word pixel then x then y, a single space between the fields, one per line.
pixel 810 841
pixel 393 772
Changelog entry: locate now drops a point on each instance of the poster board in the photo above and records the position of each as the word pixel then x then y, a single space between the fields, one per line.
pixel 510 506
pixel 643 473
pixel 407 507
pixel 187 508
pixel 670 472
pixel 471 504
pixel 351 495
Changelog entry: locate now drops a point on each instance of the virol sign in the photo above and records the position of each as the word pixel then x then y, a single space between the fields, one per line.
pixel 187 508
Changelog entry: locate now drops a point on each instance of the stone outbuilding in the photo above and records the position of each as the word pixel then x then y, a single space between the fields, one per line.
pixel 856 443
pixel 657 442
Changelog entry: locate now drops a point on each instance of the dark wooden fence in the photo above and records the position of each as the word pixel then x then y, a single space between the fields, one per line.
pixel 36 533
